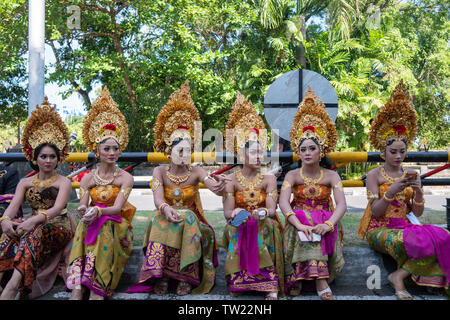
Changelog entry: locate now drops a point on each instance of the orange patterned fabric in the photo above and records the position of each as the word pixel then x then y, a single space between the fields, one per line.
pixel 241 199
pixel 107 195
pixel 396 209
pixel 185 197
pixel 312 198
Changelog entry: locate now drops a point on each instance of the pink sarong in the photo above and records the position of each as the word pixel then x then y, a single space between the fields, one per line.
pixel 95 226
pixel 248 247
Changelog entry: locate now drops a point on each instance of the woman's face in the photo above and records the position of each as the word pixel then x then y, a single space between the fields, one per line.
pixel 181 153
pixel 47 159
pixel 395 153
pixel 254 155
pixel 309 152
pixel 109 151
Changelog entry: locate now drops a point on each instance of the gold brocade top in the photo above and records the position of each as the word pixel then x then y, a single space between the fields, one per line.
pixel 106 195
pixel 185 197
pixel 396 209
pixel 250 200
pixel 45 199
pixel 312 198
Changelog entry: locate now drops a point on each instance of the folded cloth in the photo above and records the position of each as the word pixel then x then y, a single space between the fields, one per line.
pixel 95 226
pixel 248 247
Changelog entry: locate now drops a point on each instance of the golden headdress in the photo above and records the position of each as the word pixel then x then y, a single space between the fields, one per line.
pixel 397 120
pixel 104 120
pixel 176 119
pixel 45 126
pixel 243 125
pixel 313 121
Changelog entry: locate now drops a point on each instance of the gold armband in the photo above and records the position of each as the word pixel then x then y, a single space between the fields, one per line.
pixel 388 199
pixel 290 213
pixel 339 186
pixel 126 192
pixel 285 185
pixel 419 204
pixel 99 211
pixel 155 184
pixel 371 195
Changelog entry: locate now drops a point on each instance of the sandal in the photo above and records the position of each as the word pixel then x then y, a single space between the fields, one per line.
pixel 400 294
pixel 295 291
pixel 271 296
pixel 325 294
pixel 183 288
pixel 162 286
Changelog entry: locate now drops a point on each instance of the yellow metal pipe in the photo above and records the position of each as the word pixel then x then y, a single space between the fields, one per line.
pixel 156 157
pixel 348 156
pixel 345 183
pixel 78 157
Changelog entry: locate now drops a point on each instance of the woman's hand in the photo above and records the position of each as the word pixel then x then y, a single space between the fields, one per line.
pixel 416 184
pixel 219 186
pixel 89 216
pixel 235 213
pixel 398 186
pixel 171 214
pixel 321 229
pixel 256 215
pixel 307 230
pixel 8 228
pixel 27 226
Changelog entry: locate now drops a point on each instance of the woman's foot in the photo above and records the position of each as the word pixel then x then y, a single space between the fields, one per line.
pixel 162 286
pixel 295 291
pixel 323 290
pixel 396 282
pixel 77 293
pixel 183 288
pixel 271 296
pixel 94 296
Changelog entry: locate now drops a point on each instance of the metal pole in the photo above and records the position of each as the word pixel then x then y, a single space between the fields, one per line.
pixel 36 53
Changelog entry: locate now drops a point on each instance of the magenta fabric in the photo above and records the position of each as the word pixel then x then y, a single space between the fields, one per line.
pixel 248 247
pixel 8 198
pixel 97 223
pixel 328 241
pixel 423 241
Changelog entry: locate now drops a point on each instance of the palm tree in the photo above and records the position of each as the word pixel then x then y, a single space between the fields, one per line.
pixel 295 14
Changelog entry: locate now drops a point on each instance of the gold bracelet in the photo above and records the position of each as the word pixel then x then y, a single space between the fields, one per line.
pixel 4 218
pixel 328 223
pixel 161 206
pixel 388 199
pixel 99 212
pixel 290 213
pixel 45 214
pixel 419 204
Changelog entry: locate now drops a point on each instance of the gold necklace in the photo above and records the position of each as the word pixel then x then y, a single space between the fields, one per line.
pixel 178 179
pixel 311 188
pixel 249 183
pixel 44 184
pixel 251 193
pixel 390 179
pixel 103 182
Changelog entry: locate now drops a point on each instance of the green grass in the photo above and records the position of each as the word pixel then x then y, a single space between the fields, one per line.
pixel 350 223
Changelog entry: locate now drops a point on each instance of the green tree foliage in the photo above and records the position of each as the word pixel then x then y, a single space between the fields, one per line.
pixel 144 50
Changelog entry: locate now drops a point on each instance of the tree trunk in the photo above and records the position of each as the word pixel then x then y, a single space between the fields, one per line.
pixel 300 49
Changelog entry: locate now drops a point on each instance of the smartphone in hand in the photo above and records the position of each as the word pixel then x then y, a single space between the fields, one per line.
pixel 411 176
pixel 239 218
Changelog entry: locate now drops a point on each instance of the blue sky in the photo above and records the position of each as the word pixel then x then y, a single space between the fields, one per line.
pixel 74 103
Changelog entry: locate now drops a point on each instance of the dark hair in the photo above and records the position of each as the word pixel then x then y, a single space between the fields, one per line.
pixel 324 162
pixel 393 140
pixel 35 167
pixel 177 141
pixel 104 141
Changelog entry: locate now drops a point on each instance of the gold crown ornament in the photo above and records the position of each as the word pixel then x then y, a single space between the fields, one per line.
pixel 103 121
pixel 243 125
pixel 45 126
pixel 397 120
pixel 313 121
pixel 176 120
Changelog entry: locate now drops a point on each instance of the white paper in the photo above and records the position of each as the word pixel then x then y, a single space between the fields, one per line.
pixel 412 218
pixel 304 238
